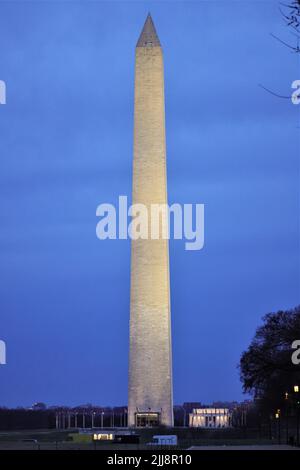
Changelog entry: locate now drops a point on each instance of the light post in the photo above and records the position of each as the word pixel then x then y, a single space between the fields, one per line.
pixel 277 416
pixel 296 391
pixel 102 415
pixel 286 397
pixel 93 416
pixel 112 418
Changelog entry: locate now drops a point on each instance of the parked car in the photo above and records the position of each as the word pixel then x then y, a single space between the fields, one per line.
pixel 163 440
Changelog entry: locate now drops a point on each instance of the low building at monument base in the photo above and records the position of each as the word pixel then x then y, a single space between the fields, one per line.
pixel 214 418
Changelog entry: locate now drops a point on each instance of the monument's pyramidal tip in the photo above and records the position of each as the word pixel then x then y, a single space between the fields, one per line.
pixel 148 35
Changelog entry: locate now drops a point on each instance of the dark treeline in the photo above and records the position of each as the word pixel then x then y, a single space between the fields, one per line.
pixel 21 418
pixel 17 419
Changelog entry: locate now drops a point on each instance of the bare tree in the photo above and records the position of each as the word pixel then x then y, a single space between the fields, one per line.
pixel 291 15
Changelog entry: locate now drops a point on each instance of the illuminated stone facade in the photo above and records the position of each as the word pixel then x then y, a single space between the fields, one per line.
pixel 150 363
pixel 210 418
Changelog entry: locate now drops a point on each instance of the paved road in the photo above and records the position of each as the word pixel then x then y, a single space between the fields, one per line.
pixel 262 447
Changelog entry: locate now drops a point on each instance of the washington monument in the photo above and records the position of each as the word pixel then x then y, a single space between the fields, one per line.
pixel 150 401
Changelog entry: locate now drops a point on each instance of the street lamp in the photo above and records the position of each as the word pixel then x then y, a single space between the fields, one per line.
pixel 113 418
pixel 277 416
pixel 287 416
pixel 93 416
pixel 296 390
pixel 102 414
pixel 125 418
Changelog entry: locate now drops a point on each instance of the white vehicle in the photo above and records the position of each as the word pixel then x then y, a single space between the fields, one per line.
pixel 163 440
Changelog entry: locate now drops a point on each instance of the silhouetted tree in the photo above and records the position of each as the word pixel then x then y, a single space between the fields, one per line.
pixel 266 368
pixel 290 12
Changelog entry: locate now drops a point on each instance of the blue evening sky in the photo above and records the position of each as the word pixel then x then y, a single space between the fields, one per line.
pixel 66 146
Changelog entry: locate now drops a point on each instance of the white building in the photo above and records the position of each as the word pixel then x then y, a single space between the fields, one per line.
pixel 210 418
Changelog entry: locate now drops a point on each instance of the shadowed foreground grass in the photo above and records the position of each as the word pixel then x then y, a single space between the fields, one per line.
pixel 63 440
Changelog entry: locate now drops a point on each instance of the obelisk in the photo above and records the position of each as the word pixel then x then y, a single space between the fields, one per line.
pixel 150 400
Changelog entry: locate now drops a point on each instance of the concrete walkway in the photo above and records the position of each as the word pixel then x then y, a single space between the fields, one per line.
pixel 254 447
